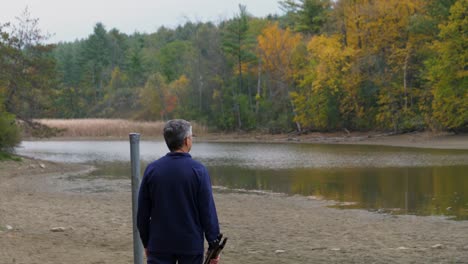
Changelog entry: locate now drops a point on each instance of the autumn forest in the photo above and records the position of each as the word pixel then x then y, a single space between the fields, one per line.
pixel 357 65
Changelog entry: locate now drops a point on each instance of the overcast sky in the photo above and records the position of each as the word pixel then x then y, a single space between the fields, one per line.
pixel 74 19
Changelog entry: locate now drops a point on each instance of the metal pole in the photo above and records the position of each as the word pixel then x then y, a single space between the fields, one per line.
pixel 135 161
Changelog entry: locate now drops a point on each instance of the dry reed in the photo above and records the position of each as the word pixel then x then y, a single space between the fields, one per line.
pixel 90 128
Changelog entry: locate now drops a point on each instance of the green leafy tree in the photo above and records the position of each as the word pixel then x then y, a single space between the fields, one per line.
pixel 118 48
pixel 9 131
pixel 69 102
pixel 27 68
pixel 136 61
pixel 306 16
pixel 208 66
pixel 174 58
pixel 238 45
pixel 95 59
pixel 448 72
pixel 438 12
pixel 67 57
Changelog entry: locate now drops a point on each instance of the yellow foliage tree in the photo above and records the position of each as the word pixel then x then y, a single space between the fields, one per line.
pixel 320 102
pixel 152 97
pixel 380 33
pixel 276 49
pixel 179 96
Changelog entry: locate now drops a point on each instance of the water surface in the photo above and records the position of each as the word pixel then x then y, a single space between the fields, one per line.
pixel 388 179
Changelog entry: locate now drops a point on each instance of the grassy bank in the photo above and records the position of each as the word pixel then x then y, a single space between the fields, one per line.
pixel 8 156
pixel 113 128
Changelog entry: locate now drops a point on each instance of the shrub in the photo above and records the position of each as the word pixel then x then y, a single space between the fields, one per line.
pixel 9 131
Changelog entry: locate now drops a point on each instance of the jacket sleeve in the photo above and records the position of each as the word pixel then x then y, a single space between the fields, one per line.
pixel 144 210
pixel 207 208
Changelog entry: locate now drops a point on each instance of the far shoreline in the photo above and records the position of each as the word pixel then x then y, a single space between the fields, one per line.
pixel 425 140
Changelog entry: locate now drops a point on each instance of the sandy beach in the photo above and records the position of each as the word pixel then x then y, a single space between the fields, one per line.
pixel 50 214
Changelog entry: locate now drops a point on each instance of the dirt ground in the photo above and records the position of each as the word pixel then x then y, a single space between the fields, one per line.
pixel 93 218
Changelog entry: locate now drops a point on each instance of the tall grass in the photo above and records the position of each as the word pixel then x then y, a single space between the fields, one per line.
pixel 110 127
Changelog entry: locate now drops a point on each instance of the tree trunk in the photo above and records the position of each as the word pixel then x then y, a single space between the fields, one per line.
pixel 200 91
pixel 257 96
pixel 239 63
pixel 200 83
pixel 293 108
pixel 405 76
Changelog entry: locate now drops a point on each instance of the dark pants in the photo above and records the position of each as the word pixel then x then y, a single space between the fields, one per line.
pixel 173 259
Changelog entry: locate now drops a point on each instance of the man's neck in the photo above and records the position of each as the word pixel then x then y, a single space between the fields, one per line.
pixel 182 150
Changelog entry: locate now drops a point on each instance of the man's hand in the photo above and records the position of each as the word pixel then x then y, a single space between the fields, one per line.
pixel 215 261
pixel 146 252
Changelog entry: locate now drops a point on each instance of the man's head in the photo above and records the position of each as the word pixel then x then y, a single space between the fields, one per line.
pixel 178 135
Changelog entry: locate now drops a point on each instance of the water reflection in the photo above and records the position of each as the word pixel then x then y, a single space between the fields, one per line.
pixel 396 180
pixel 421 191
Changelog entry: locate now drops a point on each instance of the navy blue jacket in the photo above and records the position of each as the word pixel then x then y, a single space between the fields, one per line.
pixel 176 206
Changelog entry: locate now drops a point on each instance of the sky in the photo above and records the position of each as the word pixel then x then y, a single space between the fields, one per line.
pixel 68 20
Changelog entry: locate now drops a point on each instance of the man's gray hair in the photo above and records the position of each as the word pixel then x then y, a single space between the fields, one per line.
pixel 175 131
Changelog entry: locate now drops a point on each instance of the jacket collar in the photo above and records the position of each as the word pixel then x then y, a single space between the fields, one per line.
pixel 178 154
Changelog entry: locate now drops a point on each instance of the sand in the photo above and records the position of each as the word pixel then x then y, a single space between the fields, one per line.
pixel 93 217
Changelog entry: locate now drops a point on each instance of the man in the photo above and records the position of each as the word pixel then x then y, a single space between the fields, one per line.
pixel 175 203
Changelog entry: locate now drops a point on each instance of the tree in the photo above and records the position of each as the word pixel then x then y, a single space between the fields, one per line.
pixel 178 98
pixel 277 48
pixel 9 132
pixel 306 16
pixel 27 68
pixel 96 57
pixel 385 70
pixel 173 59
pixel 438 12
pixel 67 60
pixel 152 97
pixel 118 48
pixel 162 100
pixel 448 71
pixel 208 67
pixel 118 80
pixel 136 63
pixel 320 100
pixel 238 44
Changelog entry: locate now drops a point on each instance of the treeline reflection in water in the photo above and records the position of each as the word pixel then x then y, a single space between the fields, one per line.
pixel 420 191
pixel 426 191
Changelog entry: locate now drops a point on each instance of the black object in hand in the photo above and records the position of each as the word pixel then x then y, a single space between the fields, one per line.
pixel 215 248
